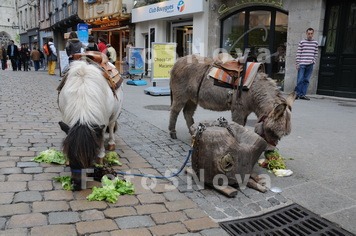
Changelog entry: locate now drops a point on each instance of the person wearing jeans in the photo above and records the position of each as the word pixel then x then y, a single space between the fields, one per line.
pixel 305 59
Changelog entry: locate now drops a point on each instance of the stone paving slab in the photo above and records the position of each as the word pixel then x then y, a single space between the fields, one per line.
pixel 31 203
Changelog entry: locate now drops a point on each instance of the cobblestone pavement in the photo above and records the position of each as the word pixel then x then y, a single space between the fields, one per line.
pixel 31 203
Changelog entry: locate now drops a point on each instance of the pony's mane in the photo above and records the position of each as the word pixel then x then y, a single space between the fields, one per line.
pixel 85 90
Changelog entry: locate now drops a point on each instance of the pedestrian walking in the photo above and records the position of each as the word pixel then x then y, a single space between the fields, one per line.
pixel 111 53
pixel 52 57
pixel 42 59
pixel 3 57
pixel 35 57
pixel 73 46
pixel 24 58
pixel 305 59
pixel 92 46
pixel 102 45
pixel 13 54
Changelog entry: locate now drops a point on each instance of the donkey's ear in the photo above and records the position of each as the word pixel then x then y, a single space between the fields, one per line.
pixel 290 99
pixel 278 111
pixel 64 127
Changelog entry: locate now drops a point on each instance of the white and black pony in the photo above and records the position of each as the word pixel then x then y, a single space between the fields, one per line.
pixel 89 107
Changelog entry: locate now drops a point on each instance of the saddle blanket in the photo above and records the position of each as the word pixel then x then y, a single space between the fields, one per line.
pixel 221 75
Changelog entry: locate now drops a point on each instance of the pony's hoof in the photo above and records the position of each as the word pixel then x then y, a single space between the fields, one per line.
pixel 76 181
pixel 173 135
pixel 111 147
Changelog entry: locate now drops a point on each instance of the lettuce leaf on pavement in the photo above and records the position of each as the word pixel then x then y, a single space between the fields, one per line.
pixel 51 156
pixel 111 190
pixel 66 182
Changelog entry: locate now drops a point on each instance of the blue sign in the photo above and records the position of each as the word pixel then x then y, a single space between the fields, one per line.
pixel 83 33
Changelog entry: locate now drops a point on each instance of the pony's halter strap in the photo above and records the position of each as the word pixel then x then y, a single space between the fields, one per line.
pixel 263 134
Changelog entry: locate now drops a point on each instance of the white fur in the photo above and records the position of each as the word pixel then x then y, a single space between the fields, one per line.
pixel 87 97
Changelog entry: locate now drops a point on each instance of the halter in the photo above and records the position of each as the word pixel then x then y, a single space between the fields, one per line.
pixel 263 135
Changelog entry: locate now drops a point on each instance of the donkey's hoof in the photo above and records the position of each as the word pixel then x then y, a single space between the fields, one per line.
pixel 111 147
pixel 173 135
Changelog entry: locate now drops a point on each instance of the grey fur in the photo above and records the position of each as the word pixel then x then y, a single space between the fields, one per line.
pixel 263 98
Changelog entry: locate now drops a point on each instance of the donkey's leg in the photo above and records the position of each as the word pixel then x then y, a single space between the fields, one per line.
pixel 188 112
pixel 111 143
pixel 176 107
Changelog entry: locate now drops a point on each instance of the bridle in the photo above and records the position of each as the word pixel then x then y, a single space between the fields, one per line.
pixel 263 134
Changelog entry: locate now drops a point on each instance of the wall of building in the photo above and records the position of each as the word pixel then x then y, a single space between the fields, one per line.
pixel 301 15
pixel 8 21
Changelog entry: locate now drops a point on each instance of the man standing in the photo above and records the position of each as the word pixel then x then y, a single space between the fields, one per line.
pixel 13 53
pixel 52 57
pixel 305 59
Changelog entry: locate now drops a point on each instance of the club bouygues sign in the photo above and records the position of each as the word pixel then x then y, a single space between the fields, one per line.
pixel 166 9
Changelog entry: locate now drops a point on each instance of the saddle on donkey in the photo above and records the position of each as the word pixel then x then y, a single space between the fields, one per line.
pixel 99 59
pixel 228 74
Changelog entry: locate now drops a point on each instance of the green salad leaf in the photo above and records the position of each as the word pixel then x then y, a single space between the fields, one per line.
pixel 51 156
pixel 112 158
pixel 111 190
pixel 274 160
pixel 66 182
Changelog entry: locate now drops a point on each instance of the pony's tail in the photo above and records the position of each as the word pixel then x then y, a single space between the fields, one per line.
pixel 81 146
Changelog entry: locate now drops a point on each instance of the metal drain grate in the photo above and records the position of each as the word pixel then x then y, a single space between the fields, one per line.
pixel 293 220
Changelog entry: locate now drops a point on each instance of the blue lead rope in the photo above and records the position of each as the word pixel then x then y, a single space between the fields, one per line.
pixel 161 177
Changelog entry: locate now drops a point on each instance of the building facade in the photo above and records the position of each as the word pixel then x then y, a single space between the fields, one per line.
pixel 9 24
pixel 270 29
pixel 266 30
pixel 28 22
pixel 111 20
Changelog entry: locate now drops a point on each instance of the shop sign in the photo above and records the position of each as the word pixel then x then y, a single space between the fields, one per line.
pixel 163 59
pixel 109 24
pixel 223 8
pixel 166 9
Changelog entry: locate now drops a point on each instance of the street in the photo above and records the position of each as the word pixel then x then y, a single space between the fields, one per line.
pixel 321 149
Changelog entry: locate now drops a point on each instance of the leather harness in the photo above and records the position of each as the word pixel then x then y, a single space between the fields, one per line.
pixel 99 59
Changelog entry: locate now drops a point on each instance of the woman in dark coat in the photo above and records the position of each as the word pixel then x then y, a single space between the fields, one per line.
pixel 73 45
pixel 92 46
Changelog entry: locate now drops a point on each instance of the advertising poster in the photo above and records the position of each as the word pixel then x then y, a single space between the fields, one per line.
pixel 136 61
pixel 83 33
pixel 63 62
pixel 163 59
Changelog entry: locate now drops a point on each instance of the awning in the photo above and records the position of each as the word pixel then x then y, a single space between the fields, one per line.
pixel 126 27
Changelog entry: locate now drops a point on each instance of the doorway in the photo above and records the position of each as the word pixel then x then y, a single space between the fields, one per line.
pixel 182 34
pixel 337 73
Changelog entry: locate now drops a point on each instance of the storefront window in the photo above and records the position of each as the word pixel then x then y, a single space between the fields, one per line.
pixel 331 37
pixel 233 29
pixel 262 30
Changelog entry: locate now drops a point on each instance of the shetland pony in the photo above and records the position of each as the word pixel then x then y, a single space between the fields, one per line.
pixel 191 86
pixel 88 107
